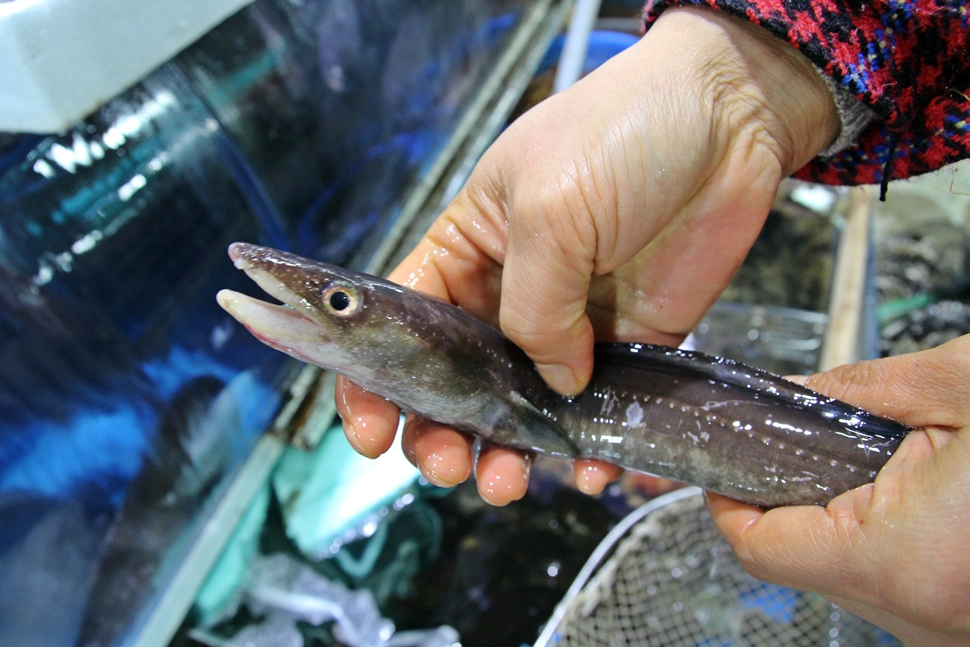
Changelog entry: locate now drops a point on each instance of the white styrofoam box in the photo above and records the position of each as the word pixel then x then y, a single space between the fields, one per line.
pixel 61 59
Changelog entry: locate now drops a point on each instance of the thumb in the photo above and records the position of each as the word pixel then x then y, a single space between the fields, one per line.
pixel 842 549
pixel 804 547
pixel 545 282
pixel 928 388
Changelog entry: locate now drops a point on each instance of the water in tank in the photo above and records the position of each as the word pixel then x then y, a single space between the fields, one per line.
pixel 127 397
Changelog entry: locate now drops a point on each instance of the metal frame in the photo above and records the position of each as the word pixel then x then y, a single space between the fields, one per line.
pixel 603 552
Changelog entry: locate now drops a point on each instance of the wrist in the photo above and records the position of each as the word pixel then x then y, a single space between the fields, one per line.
pixel 761 90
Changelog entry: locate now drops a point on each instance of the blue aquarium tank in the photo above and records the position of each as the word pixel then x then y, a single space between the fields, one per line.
pixel 127 397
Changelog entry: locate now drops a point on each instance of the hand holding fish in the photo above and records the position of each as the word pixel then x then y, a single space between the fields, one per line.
pixel 894 552
pixel 617 210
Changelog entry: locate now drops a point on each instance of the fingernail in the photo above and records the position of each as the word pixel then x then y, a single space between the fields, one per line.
pixel 797 379
pixel 560 378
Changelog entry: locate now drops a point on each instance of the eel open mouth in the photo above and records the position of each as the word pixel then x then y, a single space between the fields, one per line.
pixel 280 326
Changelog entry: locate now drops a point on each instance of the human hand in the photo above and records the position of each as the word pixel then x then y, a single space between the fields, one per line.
pixel 895 551
pixel 617 210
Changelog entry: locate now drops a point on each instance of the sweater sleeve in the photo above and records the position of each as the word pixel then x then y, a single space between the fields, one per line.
pixel 907 60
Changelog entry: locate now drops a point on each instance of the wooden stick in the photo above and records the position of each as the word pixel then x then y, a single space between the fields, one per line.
pixel 848 288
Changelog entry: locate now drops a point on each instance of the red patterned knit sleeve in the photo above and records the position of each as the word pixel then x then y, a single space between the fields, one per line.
pixel 908 60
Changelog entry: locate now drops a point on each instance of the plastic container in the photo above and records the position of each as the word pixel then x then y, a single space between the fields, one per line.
pixel 62 59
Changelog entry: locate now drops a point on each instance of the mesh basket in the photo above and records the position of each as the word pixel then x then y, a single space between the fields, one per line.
pixel 670 580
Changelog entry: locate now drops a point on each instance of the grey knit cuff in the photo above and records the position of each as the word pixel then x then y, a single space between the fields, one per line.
pixel 854 114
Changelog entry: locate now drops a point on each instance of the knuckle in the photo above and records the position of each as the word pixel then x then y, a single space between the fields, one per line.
pixel 540 337
pixel 842 382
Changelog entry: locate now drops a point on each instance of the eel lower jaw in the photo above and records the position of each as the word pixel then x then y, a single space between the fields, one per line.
pixel 280 327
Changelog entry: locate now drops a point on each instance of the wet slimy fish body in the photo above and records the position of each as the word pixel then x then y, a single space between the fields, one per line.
pixel 690 417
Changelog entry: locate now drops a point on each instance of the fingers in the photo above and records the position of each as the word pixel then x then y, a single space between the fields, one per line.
pixel 928 388
pixel 454 261
pixel 893 550
pixel 896 543
pixel 369 421
pixel 442 454
pixel 546 277
pixel 593 476
pixel 731 517
pixel 459 259
pixel 502 474
pixel 445 458
pixel 806 547
pixel 544 287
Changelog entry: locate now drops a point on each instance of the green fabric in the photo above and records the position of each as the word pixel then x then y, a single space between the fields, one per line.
pixel 325 491
pixel 217 597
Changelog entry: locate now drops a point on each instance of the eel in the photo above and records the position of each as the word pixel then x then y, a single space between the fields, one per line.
pixel 707 421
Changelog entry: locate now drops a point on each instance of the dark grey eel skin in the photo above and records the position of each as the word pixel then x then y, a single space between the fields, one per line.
pixel 707 421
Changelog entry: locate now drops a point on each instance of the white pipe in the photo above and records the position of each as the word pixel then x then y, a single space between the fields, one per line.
pixel 577 41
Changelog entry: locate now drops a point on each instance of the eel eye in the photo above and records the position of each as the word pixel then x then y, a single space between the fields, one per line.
pixel 341 300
